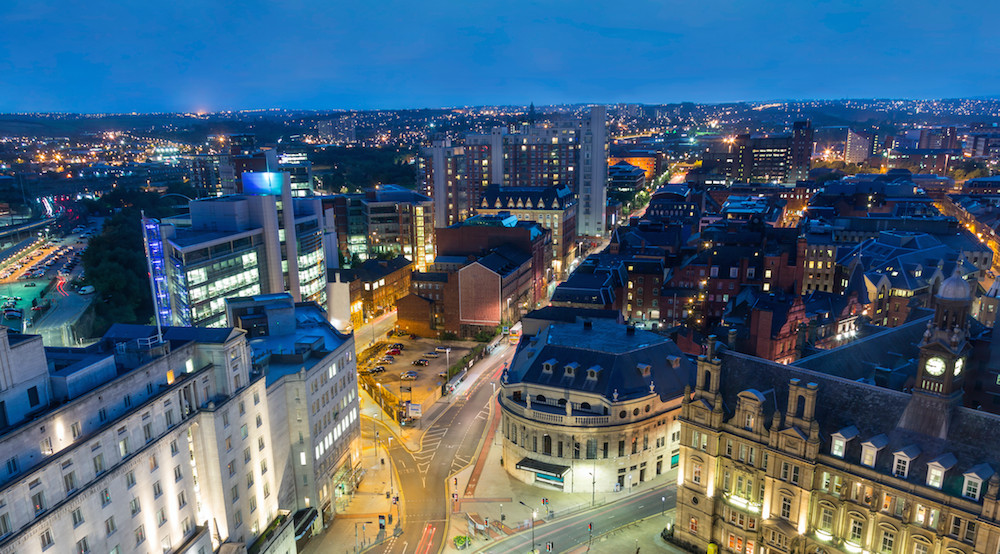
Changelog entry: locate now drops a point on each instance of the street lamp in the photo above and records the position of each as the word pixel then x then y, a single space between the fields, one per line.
pixel 362 523
pixel 593 485
pixel 630 483
pixel 534 514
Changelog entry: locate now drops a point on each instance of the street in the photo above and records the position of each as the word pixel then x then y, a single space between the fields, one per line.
pixel 567 533
pixel 369 333
pixel 455 427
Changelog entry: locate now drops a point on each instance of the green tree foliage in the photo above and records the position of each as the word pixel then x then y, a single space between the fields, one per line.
pixel 115 260
pixel 847 168
pixel 354 169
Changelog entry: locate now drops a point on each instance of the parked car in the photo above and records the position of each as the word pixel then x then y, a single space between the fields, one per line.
pixel 414 337
pixel 408 376
pixel 378 369
pixel 394 352
pixel 421 361
pixel 398 346
pixel 432 354
pixel 387 360
pixel 442 348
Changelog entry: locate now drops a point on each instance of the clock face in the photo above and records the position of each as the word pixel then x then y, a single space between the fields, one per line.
pixel 959 364
pixel 935 366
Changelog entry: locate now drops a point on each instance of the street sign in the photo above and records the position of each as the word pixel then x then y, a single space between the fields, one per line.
pixel 415 411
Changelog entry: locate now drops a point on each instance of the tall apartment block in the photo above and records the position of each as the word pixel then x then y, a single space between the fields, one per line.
pixel 772 158
pixel 210 174
pixel 340 130
pixel 860 146
pixel 261 242
pixel 387 220
pixel 570 152
pixel 299 170
pixel 141 442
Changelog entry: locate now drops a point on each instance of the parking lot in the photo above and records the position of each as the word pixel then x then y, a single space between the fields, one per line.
pixel 429 377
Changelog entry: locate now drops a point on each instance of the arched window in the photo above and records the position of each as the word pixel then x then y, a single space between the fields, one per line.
pixel 516 396
pixel 547 445
pixel 540 398
pixel 562 401
pixel 584 405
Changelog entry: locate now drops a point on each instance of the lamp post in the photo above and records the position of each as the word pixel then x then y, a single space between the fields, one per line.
pixel 362 523
pixel 630 483
pixel 593 485
pixel 534 514
pixel 389 456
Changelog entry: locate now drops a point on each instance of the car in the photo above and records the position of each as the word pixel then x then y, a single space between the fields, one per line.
pixel 443 375
pixel 420 362
pixel 432 354
pixel 414 337
pixel 32 284
pixel 408 376
pixel 442 348
pixel 387 360
pixel 398 346
pixel 378 369
pixel 36 308
pixel 394 352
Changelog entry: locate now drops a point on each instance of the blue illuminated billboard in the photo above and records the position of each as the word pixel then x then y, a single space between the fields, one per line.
pixel 263 183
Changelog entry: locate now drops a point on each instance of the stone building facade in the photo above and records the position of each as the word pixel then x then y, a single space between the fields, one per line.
pixel 592 407
pixel 778 459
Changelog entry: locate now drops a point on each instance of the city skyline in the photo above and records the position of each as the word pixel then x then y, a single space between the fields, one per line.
pixel 308 56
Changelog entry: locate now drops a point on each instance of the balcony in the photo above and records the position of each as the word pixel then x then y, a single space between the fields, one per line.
pixel 553 414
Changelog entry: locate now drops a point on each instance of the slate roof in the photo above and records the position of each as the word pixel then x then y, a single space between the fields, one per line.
pixel 120 332
pixel 373 270
pixel 504 260
pixel 608 347
pixel 531 198
pixel 874 411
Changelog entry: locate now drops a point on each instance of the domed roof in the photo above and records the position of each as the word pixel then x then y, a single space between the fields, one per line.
pixel 954 287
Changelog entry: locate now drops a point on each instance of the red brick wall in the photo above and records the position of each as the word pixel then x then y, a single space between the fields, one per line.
pixel 479 296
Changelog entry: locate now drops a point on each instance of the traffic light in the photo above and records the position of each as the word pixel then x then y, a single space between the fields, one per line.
pixel 545 502
pixel 454 496
pixel 456 481
pixel 549 546
pixel 381 521
pixel 590 526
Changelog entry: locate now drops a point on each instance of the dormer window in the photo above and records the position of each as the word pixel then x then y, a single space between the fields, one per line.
pixel 838 443
pixel 936 469
pixel 974 479
pixel 644 369
pixel 972 488
pixel 870 448
pixel 901 460
pixel 570 369
pixel 547 365
pixel 593 372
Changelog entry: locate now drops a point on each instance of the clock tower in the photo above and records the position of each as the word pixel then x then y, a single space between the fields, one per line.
pixel 945 346
pixel 944 353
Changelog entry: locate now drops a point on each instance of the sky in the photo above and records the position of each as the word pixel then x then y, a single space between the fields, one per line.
pixel 101 56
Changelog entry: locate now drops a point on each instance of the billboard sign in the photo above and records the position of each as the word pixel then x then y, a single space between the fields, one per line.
pixel 264 183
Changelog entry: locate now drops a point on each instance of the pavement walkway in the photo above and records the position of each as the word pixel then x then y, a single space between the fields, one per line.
pixel 358 521
pixel 488 494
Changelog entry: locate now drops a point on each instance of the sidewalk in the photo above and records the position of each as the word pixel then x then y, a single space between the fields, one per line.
pixel 496 496
pixel 360 517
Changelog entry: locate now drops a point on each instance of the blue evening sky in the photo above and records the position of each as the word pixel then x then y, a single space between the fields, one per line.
pixel 177 55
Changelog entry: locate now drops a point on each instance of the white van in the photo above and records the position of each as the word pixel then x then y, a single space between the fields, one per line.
pixel 88 289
